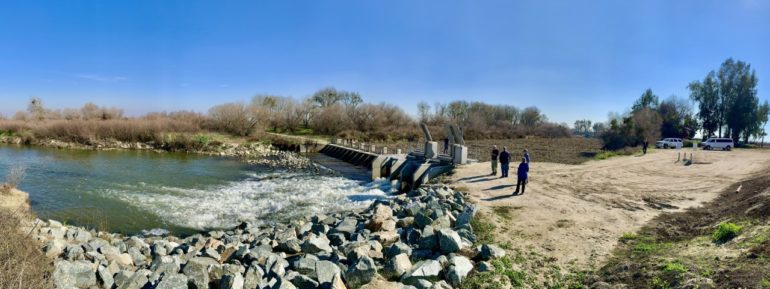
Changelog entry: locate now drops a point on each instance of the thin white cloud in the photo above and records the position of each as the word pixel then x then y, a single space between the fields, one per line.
pixel 100 78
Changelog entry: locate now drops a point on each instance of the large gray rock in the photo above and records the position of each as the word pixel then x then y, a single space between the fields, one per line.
pixel 449 241
pixel 362 272
pixel 398 248
pixel 305 265
pixel 122 277
pixel 218 271
pixel 56 233
pixel 429 239
pixel 54 248
pixel 303 282
pixel 316 244
pixel 325 272
pixel 137 280
pixel 136 256
pixel 464 219
pixel 112 254
pixel 253 276
pixel 397 266
pixel 78 274
pixel 231 282
pixel 78 235
pixel 346 227
pixel 197 272
pixel 421 220
pixel 74 252
pixel 290 246
pixel 458 269
pixel 163 265
pixel 173 281
pixel 105 277
pixel 423 270
pixel 489 251
pixel 485 267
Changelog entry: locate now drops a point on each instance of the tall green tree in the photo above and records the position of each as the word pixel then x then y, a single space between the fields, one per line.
pixel 738 93
pixel 737 90
pixel 648 100
pixel 706 94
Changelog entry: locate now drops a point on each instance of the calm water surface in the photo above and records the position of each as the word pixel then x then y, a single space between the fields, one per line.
pixel 137 191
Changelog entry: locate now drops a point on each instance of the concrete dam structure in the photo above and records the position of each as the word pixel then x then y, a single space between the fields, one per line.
pixel 411 169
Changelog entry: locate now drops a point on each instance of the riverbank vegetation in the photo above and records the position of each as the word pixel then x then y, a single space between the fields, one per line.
pixel 727 102
pixel 326 113
pixel 22 264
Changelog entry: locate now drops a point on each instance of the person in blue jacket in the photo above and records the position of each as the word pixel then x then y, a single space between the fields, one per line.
pixel 526 155
pixel 505 158
pixel 521 181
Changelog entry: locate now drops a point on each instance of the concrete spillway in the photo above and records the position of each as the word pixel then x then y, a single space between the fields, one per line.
pixel 411 170
pixel 350 155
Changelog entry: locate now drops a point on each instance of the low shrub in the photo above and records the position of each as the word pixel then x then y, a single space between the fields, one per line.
pixel 674 267
pixel 726 231
pixel 22 264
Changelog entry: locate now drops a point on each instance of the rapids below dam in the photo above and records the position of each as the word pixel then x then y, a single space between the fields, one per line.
pixel 147 192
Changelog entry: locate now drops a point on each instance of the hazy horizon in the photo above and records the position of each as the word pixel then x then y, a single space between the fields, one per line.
pixel 571 60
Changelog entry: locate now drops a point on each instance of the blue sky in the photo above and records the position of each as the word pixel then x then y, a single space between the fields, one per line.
pixel 573 59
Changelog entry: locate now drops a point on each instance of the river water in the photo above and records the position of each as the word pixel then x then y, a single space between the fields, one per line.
pixel 147 192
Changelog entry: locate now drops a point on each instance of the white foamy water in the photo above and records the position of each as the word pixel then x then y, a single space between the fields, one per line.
pixel 276 196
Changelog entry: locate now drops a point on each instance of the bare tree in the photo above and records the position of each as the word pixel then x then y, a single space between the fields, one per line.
pixel 36 109
pixel 423 109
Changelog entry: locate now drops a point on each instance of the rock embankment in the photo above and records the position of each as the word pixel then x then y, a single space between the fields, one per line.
pixel 208 148
pixel 423 239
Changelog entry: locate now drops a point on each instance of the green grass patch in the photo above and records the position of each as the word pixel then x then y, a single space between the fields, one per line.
pixel 610 154
pixel 484 230
pixel 645 247
pixel 628 236
pixel 765 282
pixel 725 232
pixel 504 276
pixel 503 212
pixel 674 267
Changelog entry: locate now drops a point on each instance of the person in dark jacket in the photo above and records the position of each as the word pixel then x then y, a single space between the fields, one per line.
pixel 521 181
pixel 495 154
pixel 505 159
pixel 446 145
pixel 645 144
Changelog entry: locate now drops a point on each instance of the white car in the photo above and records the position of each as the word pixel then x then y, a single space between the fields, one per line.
pixel 669 143
pixel 724 144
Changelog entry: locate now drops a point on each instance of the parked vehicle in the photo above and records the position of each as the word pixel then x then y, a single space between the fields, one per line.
pixel 669 143
pixel 724 144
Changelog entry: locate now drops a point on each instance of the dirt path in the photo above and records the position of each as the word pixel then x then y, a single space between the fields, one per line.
pixel 578 212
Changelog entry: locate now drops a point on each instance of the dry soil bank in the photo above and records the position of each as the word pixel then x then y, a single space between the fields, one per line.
pixel 578 212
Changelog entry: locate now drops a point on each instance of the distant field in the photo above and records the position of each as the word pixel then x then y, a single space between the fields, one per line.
pixel 559 150
pixel 555 150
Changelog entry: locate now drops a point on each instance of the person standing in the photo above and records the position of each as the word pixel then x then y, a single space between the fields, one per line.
pixel 526 155
pixel 505 159
pixel 495 154
pixel 446 145
pixel 522 176
pixel 645 144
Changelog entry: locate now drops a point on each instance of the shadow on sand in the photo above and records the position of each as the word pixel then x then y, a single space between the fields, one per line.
pixel 499 187
pixel 471 178
pixel 499 197
pixel 483 180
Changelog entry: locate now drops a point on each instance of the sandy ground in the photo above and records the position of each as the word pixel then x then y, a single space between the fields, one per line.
pixel 576 213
